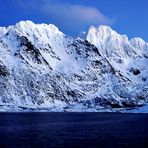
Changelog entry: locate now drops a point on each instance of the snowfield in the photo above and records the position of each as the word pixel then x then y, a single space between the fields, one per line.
pixel 42 69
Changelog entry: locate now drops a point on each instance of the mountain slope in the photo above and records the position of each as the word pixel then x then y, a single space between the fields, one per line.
pixel 43 69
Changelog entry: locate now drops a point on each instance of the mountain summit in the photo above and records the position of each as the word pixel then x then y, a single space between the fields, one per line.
pixel 41 68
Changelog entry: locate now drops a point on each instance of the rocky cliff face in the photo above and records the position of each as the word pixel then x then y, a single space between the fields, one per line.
pixel 43 69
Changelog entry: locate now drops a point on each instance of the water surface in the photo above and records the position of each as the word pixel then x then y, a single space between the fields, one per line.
pixel 76 130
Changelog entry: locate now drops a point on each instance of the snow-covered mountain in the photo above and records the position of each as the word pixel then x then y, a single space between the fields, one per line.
pixel 41 68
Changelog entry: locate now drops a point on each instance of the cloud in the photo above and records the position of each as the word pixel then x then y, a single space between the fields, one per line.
pixel 67 15
pixel 76 13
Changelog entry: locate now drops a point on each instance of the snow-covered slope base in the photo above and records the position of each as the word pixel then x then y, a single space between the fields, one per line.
pixel 43 69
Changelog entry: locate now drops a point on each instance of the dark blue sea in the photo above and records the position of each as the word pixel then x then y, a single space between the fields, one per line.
pixel 73 130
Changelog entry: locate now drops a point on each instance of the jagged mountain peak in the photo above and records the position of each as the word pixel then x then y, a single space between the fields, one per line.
pixel 105 34
pixel 112 43
pixel 40 35
pixel 138 42
pixel 103 31
pixel 31 30
pixel 101 28
pixel 29 25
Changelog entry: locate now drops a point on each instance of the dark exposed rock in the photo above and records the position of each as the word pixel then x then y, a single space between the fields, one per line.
pixel 129 104
pixel 33 51
pixel 3 70
pixel 107 102
pixel 144 79
pixel 135 71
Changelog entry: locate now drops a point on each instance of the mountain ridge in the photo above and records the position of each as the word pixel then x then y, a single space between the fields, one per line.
pixel 41 68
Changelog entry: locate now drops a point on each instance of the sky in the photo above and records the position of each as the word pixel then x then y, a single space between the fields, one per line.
pixel 72 17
